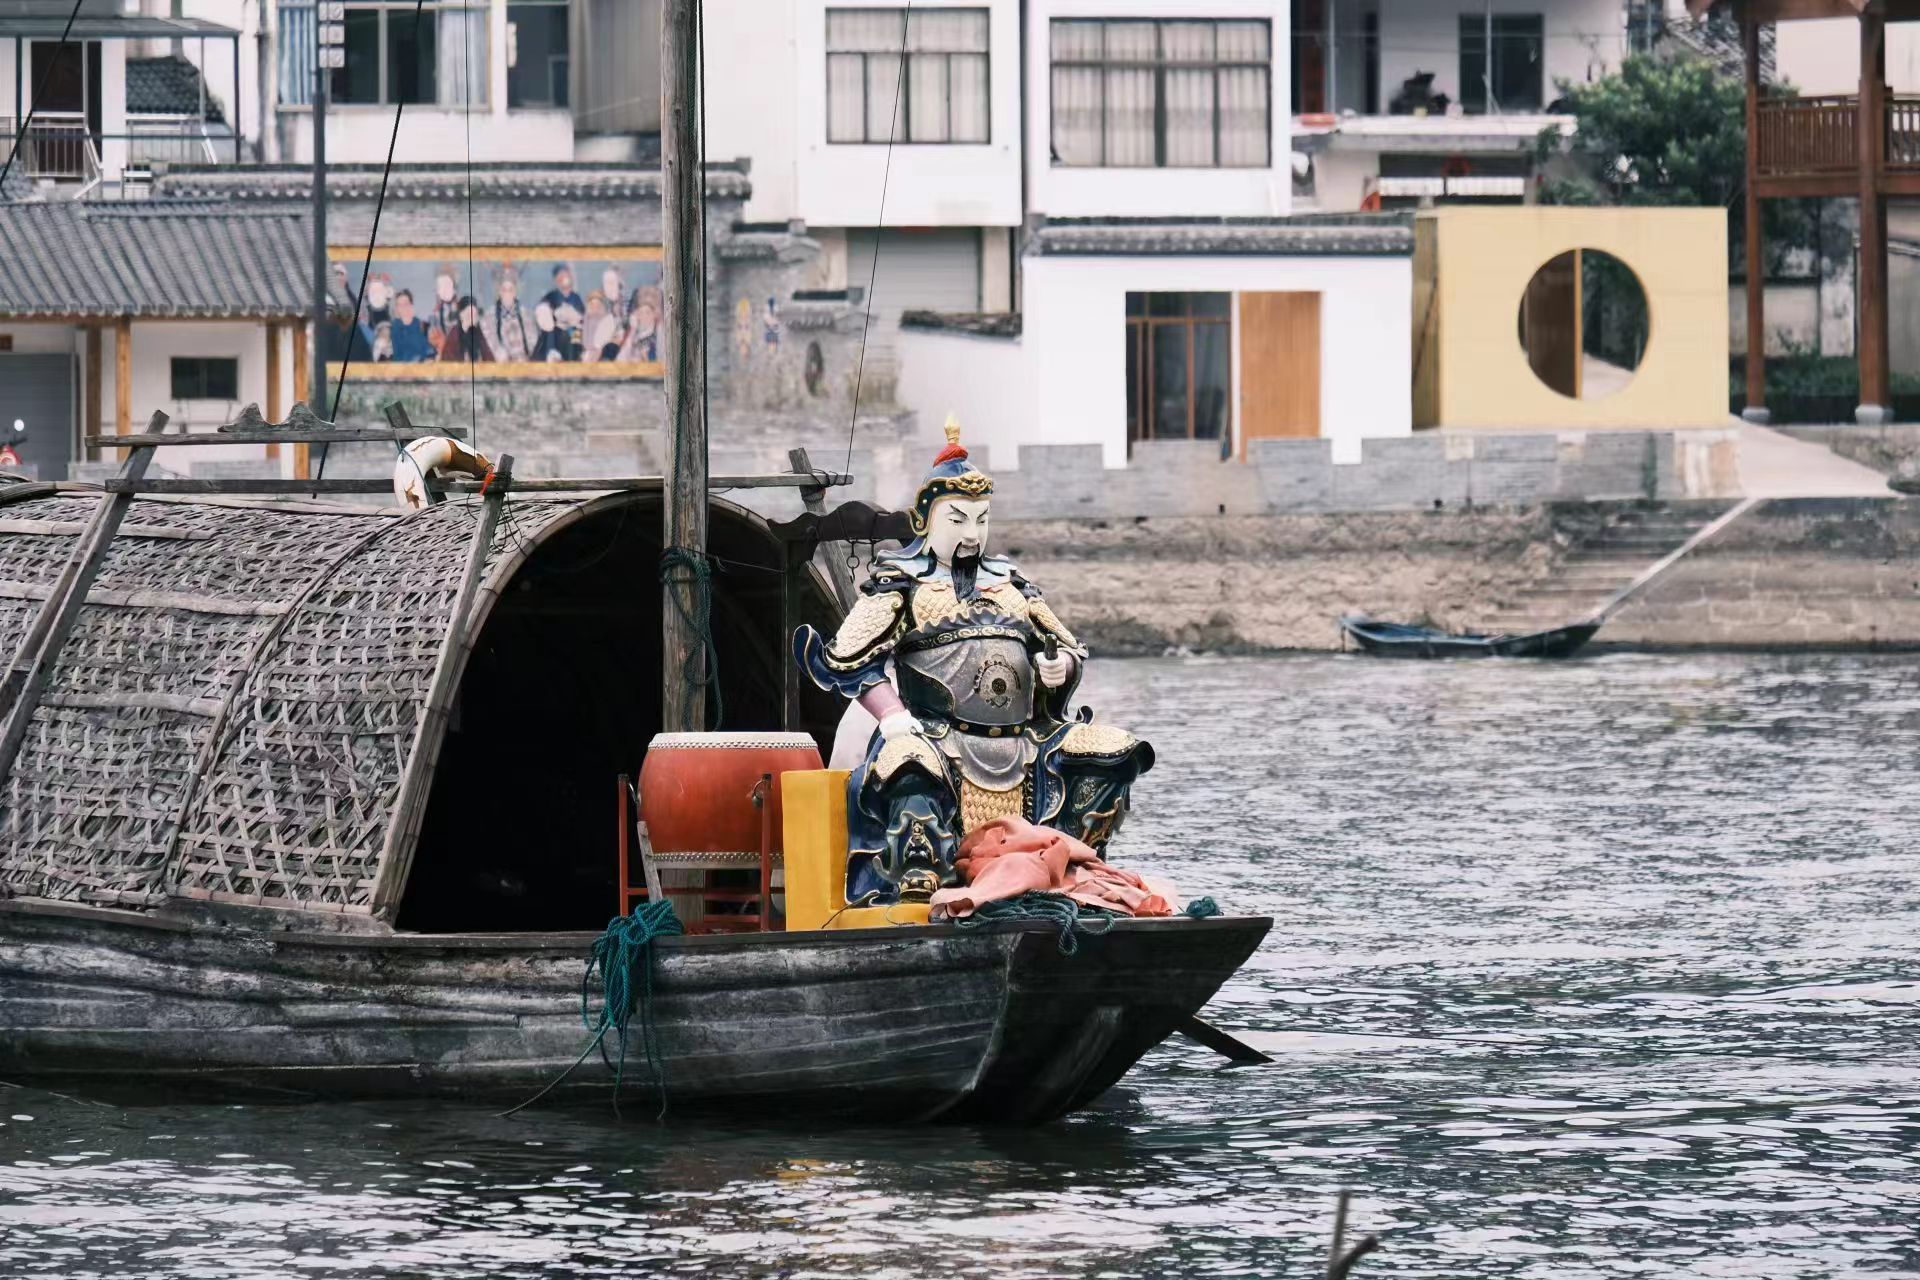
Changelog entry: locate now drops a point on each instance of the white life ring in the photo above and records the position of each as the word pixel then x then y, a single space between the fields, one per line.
pixel 419 461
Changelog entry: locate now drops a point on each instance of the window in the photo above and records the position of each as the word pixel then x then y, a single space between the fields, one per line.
pixel 206 378
pixel 943 96
pixel 440 61
pixel 1194 95
pixel 1518 78
pixel 1178 377
pixel 537 53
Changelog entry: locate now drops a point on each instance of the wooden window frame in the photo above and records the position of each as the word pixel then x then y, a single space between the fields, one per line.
pixel 1140 335
pixel 1159 65
pixel 907 58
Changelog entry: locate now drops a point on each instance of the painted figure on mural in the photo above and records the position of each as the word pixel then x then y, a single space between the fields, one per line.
pixel 466 340
pixel 412 338
pixel 445 316
pixel 562 294
pixel 509 326
pixel 600 332
pixel 643 326
pixel 974 722
pixel 742 329
pixel 770 323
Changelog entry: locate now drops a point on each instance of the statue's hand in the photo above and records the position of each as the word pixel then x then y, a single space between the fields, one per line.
pixel 1053 671
pixel 897 724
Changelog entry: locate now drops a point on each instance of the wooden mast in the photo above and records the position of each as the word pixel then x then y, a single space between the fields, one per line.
pixel 1756 368
pixel 683 650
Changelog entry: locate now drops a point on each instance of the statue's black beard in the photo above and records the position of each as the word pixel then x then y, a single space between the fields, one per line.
pixel 966 572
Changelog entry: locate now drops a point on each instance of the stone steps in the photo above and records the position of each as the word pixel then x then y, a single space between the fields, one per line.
pixel 1593 572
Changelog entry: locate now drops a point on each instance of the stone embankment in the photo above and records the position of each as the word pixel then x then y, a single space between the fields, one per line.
pixel 1819 573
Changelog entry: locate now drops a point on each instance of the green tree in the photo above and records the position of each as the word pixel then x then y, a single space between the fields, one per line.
pixel 1670 131
pixel 1658 131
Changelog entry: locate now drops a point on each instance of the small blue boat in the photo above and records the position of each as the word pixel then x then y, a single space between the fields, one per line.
pixel 1401 640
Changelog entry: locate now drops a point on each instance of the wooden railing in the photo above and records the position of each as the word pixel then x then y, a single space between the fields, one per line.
pixel 1819 136
pixel 1807 136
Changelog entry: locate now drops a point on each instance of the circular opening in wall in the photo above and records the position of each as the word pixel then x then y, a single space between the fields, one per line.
pixel 1584 324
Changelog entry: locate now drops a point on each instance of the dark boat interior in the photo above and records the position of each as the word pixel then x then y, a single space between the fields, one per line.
pixel 562 695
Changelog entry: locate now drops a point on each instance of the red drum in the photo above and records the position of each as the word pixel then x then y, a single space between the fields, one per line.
pixel 696 789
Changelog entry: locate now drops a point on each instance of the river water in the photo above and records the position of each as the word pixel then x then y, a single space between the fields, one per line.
pixel 1600 968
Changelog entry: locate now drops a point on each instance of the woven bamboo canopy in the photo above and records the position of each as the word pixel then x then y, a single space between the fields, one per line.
pixel 242 704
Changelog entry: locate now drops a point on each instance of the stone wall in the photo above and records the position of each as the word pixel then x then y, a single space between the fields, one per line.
pixel 1430 471
pixel 1824 573
pixel 1237 584
pixel 1791 573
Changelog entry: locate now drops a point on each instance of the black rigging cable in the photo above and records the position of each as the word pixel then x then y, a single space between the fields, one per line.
pixel 886 172
pixel 38 88
pixel 366 265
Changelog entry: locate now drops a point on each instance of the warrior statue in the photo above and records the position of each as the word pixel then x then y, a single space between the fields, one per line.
pixel 974 723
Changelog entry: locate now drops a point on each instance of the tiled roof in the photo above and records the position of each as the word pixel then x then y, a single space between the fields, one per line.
pixel 1349 235
pixel 447 182
pixel 152 258
pixel 168 86
pixel 984 324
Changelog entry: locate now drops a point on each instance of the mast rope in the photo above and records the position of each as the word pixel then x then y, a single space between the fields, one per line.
pixel 356 301
pixel 879 227
pixel 682 565
pixel 27 119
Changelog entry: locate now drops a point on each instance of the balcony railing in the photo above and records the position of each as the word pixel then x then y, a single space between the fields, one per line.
pixel 67 151
pixel 59 149
pixel 1818 137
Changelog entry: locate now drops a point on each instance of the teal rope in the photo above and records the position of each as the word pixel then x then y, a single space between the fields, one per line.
pixel 699 620
pixel 622 952
pixel 622 955
pixel 1072 918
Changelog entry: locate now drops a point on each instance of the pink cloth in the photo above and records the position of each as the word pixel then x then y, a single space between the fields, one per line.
pixel 1011 856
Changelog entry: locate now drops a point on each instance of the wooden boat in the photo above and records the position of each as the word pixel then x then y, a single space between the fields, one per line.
pixel 1401 640
pixel 314 798
pixel 989 1022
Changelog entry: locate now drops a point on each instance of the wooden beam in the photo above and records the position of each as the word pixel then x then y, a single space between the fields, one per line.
pixel 31 670
pixel 348 435
pixel 238 486
pixel 123 377
pixel 683 673
pixel 1876 398
pixel 1807 186
pixel 302 342
pixel 276 411
pixel 814 499
pixel 410 807
pixel 1756 406
pixel 90 403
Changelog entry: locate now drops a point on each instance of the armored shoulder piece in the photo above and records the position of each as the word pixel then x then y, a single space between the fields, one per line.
pixel 876 621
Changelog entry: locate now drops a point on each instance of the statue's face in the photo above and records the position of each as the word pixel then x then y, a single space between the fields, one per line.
pixel 957 527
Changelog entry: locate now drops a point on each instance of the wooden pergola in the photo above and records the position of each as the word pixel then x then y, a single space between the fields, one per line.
pixel 1864 144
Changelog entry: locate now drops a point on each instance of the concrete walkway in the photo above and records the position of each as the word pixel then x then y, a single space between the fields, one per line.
pixel 1777 466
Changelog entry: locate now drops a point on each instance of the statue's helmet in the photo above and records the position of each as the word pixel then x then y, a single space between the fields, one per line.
pixel 953 476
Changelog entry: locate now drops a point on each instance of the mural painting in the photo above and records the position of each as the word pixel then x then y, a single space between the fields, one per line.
pixel 515 312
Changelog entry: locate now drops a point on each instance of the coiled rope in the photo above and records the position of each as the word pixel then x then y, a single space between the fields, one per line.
pixel 697 569
pixel 1071 916
pixel 623 957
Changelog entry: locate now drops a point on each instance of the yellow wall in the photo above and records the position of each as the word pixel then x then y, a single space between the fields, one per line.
pixel 1485 258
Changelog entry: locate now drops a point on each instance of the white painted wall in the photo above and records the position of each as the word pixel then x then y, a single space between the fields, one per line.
pixel 840 184
pixel 1072 192
pixel 1065 380
pixel 1823 55
pixel 1584 40
pixel 988 383
pixel 752 112
pixel 155 343
pixel 492 134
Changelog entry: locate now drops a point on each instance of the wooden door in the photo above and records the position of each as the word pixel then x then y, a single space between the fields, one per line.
pixel 1550 323
pixel 1279 365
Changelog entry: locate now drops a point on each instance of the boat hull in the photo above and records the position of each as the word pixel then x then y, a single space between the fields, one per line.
pixel 988 1022
pixel 1397 640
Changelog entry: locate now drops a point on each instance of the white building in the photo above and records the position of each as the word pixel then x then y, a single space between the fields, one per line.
pixel 1397 101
